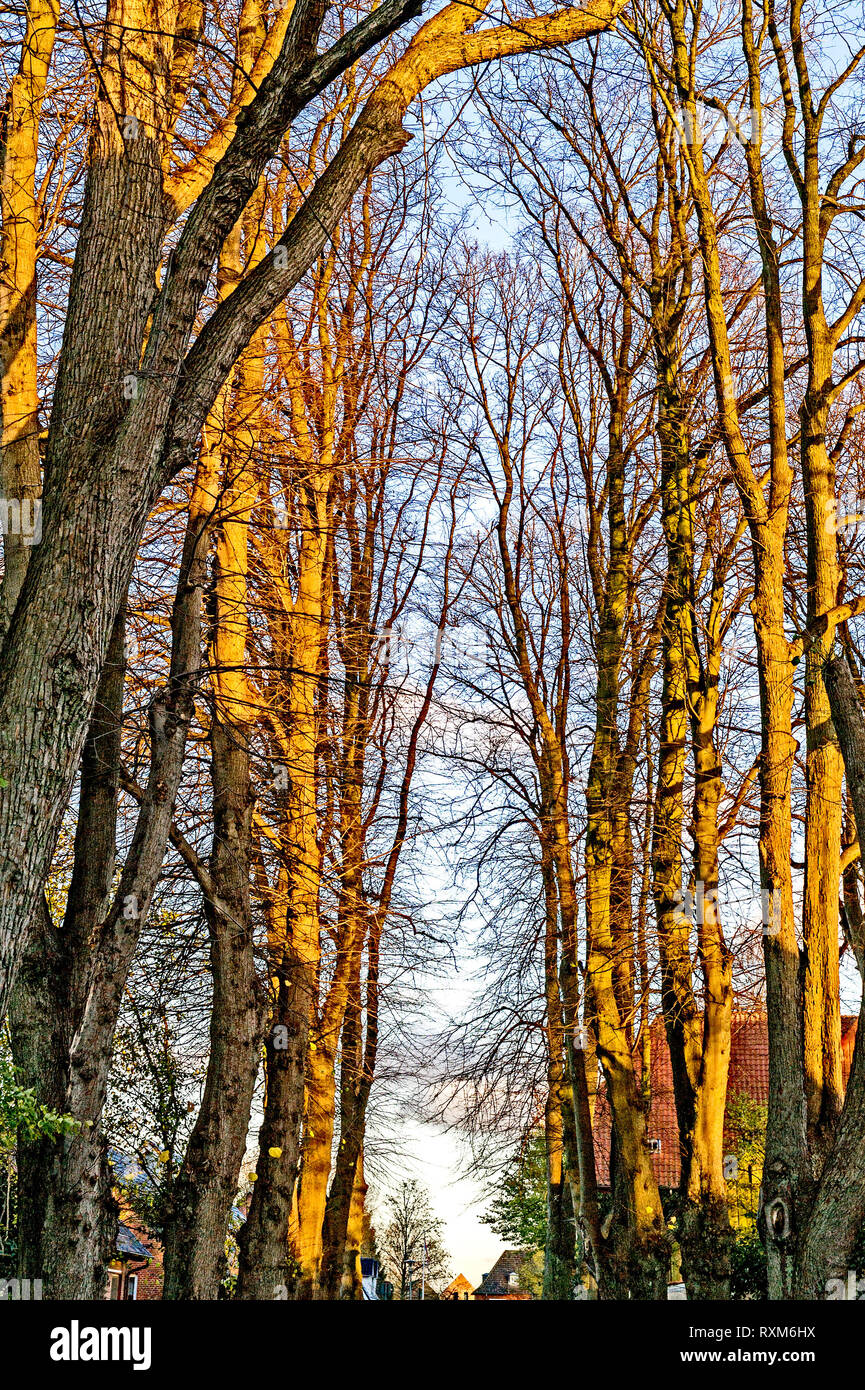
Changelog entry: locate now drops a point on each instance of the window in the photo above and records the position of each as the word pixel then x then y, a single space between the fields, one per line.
pixel 654 1146
pixel 132 1286
pixel 115 1280
pixel 514 1279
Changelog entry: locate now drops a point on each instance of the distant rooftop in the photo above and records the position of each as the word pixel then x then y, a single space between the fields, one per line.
pixel 503 1279
pixel 129 1244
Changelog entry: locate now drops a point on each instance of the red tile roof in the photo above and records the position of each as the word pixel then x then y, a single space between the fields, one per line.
pixel 749 1076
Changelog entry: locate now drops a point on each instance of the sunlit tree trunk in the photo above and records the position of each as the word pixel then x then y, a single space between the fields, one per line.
pixel 835 1221
pixel 765 508
pixel 205 1188
pixel 20 472
pixel 265 1262
pixel 824 1093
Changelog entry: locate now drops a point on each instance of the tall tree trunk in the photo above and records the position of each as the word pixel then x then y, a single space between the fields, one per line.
pixel 824 1092
pixel 266 1267
pixel 20 469
pixel 265 1262
pixel 681 1016
pixel 204 1190
pixel 646 1246
pixel 64 1187
pixel 102 925
pixel 352 1282
pixel 766 510
pixel 562 1165
pixel 357 1069
pixel 838 1210
pixel 705 1236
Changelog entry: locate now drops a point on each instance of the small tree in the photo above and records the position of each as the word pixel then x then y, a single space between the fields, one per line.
pixel 414 1235
pixel 518 1210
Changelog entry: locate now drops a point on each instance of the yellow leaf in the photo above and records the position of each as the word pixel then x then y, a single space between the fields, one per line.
pixel 275 1153
pixel 164 1156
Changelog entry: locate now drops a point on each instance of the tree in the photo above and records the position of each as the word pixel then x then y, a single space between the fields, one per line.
pixel 132 396
pixel 413 1241
pixel 130 402
pixel 518 1211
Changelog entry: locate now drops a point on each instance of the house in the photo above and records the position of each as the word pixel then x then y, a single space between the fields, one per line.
pixel 458 1289
pixel 376 1288
pixel 131 1260
pixel 136 1271
pixel 749 1076
pixel 503 1280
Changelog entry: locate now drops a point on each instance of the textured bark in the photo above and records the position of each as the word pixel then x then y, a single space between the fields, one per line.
pixel 357 1071
pixel 766 513
pixel 266 1264
pixel 64 1188
pixel 265 1260
pixel 113 444
pixel 699 1046
pixel 101 929
pixel 40 1034
pixel 295 952
pixel 204 1190
pixel 20 468
pixel 705 1237
pixel 824 765
pixel 851 907
pixel 838 1209
pixel 320 1123
pixel 562 1162
pixel 678 1001
pixel 645 1246
pixel 327 1012
pixel 352 1285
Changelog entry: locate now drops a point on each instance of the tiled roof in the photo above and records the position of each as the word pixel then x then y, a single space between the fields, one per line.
pixel 129 1245
pixel 497 1283
pixel 749 1076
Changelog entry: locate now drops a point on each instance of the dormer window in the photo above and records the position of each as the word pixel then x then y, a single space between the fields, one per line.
pixel 514 1279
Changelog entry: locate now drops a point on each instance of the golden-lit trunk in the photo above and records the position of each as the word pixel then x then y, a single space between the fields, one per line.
pixel 320 1105
pixel 351 1286
pixel 679 1005
pixel 20 470
pixel 705 1237
pixel 824 1094
pixel 765 507
pixel 645 1241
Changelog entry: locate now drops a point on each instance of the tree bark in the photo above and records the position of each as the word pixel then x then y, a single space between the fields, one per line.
pixel 838 1208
